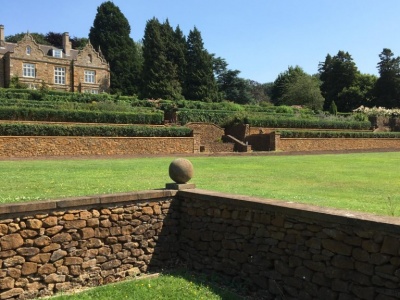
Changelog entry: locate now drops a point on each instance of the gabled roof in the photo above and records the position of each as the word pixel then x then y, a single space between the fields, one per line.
pixel 47 49
pixel 8 47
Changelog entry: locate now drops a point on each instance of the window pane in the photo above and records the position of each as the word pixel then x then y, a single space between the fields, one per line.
pixel 28 70
pixel 90 76
pixel 59 75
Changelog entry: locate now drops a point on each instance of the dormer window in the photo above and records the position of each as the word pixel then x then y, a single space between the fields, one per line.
pixel 28 50
pixel 57 53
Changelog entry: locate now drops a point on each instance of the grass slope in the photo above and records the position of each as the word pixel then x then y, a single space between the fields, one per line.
pixel 362 181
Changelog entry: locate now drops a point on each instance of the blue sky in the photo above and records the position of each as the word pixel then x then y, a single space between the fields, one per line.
pixel 261 38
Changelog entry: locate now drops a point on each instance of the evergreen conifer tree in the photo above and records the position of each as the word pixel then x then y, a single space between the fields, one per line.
pixel 110 33
pixel 160 74
pixel 200 82
pixel 387 88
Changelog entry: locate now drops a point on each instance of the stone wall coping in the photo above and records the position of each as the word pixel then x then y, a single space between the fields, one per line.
pixel 345 217
pixel 95 200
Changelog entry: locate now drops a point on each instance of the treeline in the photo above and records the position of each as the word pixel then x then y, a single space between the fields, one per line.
pixel 166 64
pixel 339 85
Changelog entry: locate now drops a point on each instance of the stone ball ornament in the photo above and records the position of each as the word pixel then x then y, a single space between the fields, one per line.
pixel 181 170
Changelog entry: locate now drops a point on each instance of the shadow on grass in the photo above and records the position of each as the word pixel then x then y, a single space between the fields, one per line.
pixel 219 286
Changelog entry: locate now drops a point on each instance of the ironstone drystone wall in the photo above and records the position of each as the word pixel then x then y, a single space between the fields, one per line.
pixel 283 250
pixel 272 249
pixel 55 246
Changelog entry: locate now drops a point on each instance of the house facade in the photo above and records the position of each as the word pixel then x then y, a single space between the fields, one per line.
pixel 63 69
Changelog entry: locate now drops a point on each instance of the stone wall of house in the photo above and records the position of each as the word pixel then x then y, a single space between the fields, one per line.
pixel 55 246
pixel 37 146
pixel 334 144
pixel 2 72
pixel 285 250
pixel 44 65
pixel 89 59
pixel 75 65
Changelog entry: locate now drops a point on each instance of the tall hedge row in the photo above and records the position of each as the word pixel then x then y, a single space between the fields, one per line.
pixel 81 116
pixel 85 130
pixel 308 123
pixel 106 105
pixel 338 134
pixel 208 116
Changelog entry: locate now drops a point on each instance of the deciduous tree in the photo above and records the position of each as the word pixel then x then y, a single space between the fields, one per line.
pixel 282 82
pixel 303 90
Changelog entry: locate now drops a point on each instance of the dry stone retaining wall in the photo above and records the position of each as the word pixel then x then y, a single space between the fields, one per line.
pixel 291 251
pixel 61 245
pixel 36 146
pixel 276 249
pixel 322 144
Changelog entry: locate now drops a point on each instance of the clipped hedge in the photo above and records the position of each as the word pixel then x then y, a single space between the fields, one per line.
pixel 81 116
pixel 106 105
pixel 209 116
pixel 308 123
pixel 85 130
pixel 339 134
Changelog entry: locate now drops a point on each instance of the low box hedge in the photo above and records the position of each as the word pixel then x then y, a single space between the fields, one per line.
pixel 87 130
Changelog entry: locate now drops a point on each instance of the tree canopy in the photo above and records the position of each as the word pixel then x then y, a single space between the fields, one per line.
pixel 295 87
pixel 160 63
pixel 200 82
pixel 387 89
pixel 337 73
pixel 167 64
pixel 110 34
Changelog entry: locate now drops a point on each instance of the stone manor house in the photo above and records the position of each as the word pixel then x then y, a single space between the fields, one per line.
pixel 63 69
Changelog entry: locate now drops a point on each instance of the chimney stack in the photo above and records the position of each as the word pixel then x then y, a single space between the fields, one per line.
pixel 2 38
pixel 66 44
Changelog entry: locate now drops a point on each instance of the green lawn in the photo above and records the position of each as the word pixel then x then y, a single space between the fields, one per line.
pixel 358 181
pixel 179 285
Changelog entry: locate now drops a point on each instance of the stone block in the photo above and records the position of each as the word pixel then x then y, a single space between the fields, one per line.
pixel 11 241
pixel 54 278
pixel 58 254
pixel 180 186
pixel 7 283
pixel 42 241
pixel 11 293
pixel 47 269
pixel 34 223
pixel 53 230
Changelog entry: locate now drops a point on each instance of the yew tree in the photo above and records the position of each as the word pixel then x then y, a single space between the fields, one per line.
pixel 110 34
